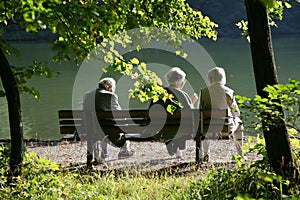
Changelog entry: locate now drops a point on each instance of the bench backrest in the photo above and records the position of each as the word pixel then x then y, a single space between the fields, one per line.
pixel 214 120
pixel 156 124
pixel 149 125
pixel 71 122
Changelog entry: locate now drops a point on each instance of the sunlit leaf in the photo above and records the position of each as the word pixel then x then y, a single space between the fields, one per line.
pixel 287 5
pixel 134 61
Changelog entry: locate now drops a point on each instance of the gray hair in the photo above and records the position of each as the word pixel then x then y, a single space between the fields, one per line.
pixel 175 76
pixel 106 83
pixel 217 75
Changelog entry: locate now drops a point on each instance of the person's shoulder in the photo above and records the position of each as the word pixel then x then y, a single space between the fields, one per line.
pixel 173 90
pixel 102 91
pixel 89 92
pixel 107 93
pixel 228 89
pixel 204 89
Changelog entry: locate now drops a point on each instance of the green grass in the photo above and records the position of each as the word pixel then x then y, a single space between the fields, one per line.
pixel 42 179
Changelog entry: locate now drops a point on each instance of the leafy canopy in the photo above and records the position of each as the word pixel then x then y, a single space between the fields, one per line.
pixel 83 25
pixel 275 11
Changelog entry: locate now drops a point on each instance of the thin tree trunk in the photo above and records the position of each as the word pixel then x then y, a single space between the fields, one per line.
pixel 15 118
pixel 276 136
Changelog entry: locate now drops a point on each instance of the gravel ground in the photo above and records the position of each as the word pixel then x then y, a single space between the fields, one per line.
pixel 148 154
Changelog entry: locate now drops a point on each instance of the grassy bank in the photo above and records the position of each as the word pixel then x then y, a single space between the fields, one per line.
pixel 42 179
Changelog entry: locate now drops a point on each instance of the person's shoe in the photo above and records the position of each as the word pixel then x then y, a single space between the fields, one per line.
pixel 125 154
pixel 206 158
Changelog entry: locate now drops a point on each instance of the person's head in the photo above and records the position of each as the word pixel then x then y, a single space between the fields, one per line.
pixel 216 75
pixel 108 84
pixel 175 77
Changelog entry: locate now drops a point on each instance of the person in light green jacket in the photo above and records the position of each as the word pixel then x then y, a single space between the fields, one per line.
pixel 218 96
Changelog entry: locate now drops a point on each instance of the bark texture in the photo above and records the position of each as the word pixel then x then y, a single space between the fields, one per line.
pixel 15 118
pixel 276 136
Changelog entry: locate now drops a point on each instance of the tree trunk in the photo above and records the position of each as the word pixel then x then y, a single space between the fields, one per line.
pixel 276 136
pixel 15 118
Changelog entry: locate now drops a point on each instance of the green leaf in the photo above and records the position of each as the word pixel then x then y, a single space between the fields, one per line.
pixel 171 109
pixel 29 16
pixel 287 5
pixel 135 61
pixel 268 3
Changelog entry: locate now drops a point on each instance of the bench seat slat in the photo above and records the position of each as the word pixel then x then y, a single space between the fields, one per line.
pixel 133 120
pixel 70 114
pixel 67 129
pixel 160 114
pixel 71 122
pixel 176 122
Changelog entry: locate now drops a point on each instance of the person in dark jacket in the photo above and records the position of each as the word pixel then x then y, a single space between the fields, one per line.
pixel 101 99
pixel 175 78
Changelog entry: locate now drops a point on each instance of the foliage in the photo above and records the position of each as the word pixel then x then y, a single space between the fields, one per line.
pixel 84 25
pixel 23 74
pixel 265 110
pixel 4 156
pixel 41 179
pixel 275 11
pixel 247 181
pixel 286 96
pixel 257 181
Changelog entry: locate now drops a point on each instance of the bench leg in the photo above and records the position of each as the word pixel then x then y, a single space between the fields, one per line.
pixel 198 149
pixel 89 155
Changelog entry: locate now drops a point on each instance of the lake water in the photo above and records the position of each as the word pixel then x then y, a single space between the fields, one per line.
pixel 40 116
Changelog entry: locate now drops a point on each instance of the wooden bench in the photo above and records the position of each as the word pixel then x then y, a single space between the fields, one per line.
pixel 142 125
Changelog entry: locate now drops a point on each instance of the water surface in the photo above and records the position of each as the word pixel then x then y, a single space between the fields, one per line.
pixel 40 116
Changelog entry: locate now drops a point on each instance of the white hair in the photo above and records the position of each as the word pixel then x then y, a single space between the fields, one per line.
pixel 107 82
pixel 216 75
pixel 175 76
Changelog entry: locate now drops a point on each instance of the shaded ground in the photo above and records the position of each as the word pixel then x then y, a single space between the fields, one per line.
pixel 148 156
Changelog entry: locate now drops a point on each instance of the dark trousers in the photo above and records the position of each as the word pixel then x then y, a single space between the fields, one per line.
pixel 174 144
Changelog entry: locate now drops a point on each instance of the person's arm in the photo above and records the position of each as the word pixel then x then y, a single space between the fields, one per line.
pixel 186 101
pixel 115 103
pixel 233 106
pixel 194 98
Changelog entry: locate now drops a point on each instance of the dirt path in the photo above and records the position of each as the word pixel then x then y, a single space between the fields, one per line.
pixel 148 154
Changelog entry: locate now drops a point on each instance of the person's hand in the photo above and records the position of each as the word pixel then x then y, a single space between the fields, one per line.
pixel 194 98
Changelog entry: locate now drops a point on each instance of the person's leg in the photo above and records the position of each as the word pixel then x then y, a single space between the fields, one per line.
pixel 176 146
pixel 180 143
pixel 170 147
pixel 97 152
pixel 238 140
pixel 126 146
pixel 179 146
pixel 205 149
pixel 104 150
pixel 125 152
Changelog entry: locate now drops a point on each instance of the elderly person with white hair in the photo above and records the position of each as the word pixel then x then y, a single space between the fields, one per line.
pixel 219 96
pixel 175 78
pixel 100 99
